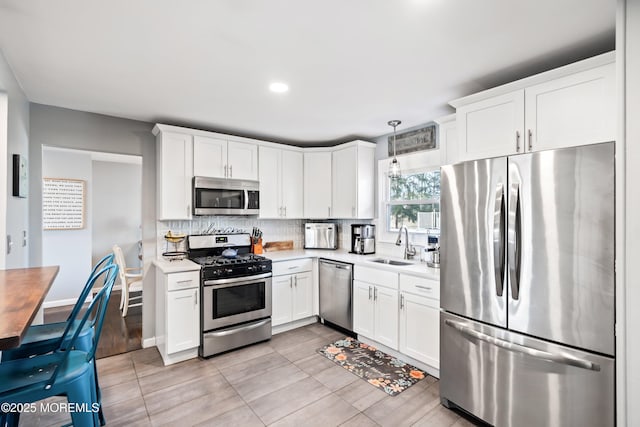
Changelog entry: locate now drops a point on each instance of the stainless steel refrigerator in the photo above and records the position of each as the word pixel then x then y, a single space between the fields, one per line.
pixel 527 288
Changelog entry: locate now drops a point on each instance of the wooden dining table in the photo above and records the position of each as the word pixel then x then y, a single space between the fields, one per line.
pixel 22 291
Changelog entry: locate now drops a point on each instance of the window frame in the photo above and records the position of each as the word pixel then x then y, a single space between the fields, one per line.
pixel 420 162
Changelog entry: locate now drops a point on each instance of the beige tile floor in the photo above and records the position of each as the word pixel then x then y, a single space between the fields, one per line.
pixel 282 382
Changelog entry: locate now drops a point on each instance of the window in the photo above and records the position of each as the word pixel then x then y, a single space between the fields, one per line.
pixel 413 200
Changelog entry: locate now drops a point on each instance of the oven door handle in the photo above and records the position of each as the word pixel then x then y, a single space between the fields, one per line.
pixel 236 280
pixel 235 330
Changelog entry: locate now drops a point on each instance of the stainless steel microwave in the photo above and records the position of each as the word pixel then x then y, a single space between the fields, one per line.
pixel 215 196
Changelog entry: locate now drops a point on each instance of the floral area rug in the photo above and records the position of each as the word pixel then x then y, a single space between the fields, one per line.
pixel 388 373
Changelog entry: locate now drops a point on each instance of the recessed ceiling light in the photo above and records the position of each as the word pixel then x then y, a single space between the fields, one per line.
pixel 278 87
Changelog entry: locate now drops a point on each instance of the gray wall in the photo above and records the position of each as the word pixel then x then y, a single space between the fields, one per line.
pixel 69 249
pixel 117 205
pixel 60 127
pixel 18 143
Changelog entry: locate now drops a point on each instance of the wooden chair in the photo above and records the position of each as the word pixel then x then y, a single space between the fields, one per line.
pixel 130 280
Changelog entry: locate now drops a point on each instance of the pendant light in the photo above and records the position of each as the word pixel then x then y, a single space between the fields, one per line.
pixel 394 167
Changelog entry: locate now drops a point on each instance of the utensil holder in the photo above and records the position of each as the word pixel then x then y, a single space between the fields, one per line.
pixel 256 248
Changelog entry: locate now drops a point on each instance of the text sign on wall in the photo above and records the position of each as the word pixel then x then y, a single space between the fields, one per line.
pixel 62 204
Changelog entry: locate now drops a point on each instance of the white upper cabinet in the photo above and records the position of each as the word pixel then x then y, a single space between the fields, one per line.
pixel 221 158
pixel 317 184
pixel 574 110
pixel 345 183
pixel 281 183
pixel 243 160
pixel 352 181
pixel 209 157
pixel 174 173
pixel 492 127
pixel 448 139
pixel 292 184
pixel 568 106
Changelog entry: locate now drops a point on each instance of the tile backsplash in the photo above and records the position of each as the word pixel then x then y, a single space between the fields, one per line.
pixel 273 229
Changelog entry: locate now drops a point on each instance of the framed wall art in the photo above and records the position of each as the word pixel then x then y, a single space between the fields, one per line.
pixel 415 140
pixel 63 204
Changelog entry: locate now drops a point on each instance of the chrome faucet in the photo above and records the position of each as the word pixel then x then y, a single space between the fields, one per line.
pixel 409 250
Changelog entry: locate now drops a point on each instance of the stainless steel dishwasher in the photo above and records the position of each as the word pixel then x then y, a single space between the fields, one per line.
pixel 336 293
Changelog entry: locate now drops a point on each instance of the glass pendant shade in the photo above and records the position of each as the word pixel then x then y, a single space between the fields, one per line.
pixel 394 169
pixel 394 166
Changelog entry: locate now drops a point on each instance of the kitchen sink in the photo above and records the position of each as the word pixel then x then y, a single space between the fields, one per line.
pixel 390 261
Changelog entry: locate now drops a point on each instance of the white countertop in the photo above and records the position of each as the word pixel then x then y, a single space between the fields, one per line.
pixel 176 266
pixel 416 268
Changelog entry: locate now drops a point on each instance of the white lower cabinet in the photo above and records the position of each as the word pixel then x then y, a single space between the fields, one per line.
pixel 292 293
pixel 375 313
pixel 178 315
pixel 184 312
pixel 420 319
pixel 419 328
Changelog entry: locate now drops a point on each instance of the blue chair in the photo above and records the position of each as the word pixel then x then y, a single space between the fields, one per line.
pixel 64 371
pixel 41 339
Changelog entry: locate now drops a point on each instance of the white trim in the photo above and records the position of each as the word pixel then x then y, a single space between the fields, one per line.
pixel 407 359
pixel 149 342
pixel 294 325
pixel 576 67
pixel 413 162
pixel 61 302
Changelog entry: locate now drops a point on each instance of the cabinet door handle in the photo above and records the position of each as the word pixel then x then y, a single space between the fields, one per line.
pixel 530 134
pixel 188 209
pixel 353 211
pixel 285 211
pixel 401 301
pixel 295 280
pixel 329 209
pixel 375 294
pixel 195 298
pixel 517 141
pixel 369 292
pixel 231 171
pixel 291 282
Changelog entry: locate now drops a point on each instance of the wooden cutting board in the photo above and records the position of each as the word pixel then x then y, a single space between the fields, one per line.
pixel 284 245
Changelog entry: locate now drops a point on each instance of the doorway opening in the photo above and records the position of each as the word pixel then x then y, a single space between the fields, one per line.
pixel 111 205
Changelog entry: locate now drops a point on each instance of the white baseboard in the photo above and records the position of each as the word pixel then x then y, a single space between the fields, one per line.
pixel 293 325
pixel 149 342
pixel 71 301
pixel 59 303
pixel 434 372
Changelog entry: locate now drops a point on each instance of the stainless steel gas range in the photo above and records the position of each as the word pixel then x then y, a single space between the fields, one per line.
pixel 236 292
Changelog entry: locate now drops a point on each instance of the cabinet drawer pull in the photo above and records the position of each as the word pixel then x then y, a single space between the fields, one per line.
pixel 185 281
pixel 294 267
pixel 426 288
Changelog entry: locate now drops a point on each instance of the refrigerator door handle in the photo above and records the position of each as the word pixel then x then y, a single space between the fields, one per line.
pixel 513 242
pixel 498 239
pixel 517 348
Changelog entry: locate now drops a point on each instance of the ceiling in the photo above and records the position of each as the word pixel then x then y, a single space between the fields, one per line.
pixel 351 65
